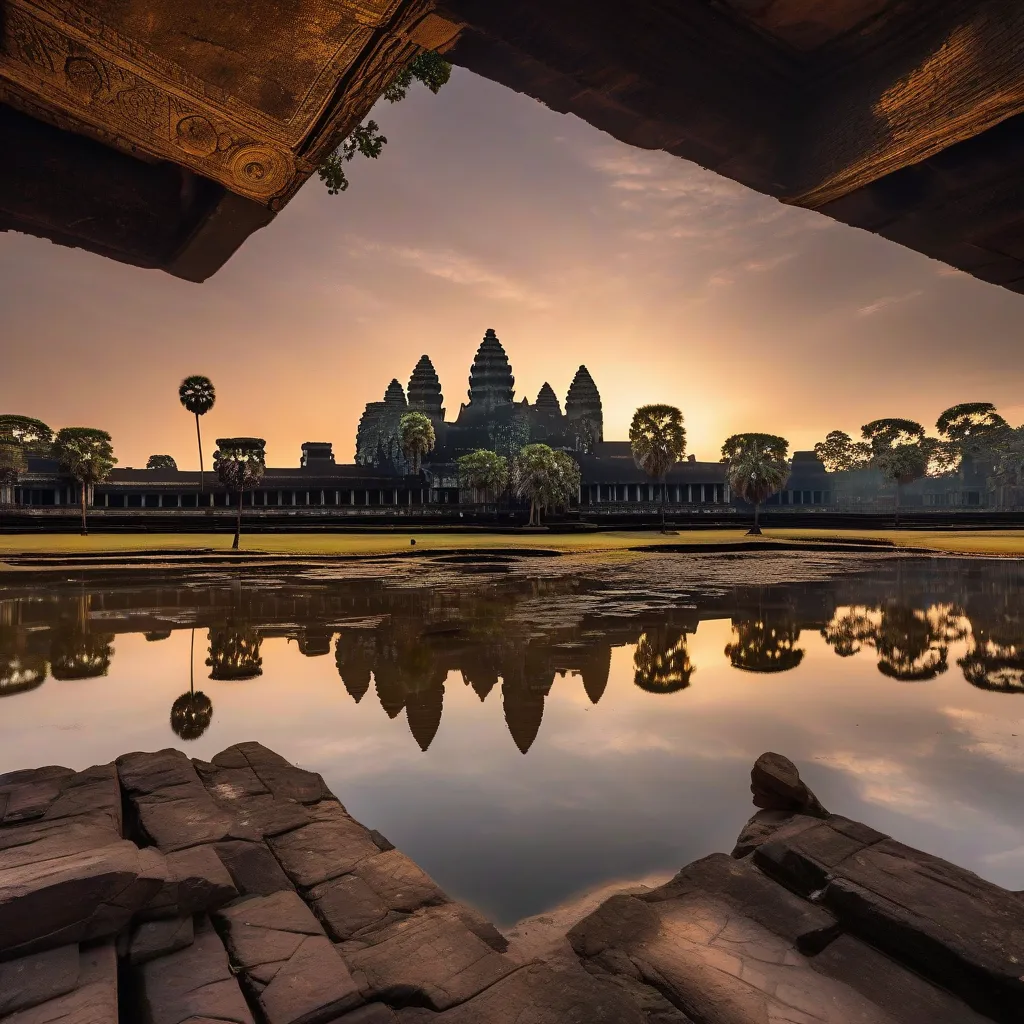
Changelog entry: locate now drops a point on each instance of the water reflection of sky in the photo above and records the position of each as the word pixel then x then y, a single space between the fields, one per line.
pixel 635 783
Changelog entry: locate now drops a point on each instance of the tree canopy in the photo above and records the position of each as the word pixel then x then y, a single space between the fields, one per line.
pixel 197 394
pixel 84 453
pixel 240 462
pixel 161 462
pixel 971 424
pixel 548 478
pixel 13 463
pixel 770 445
pixel 365 139
pixel 416 435
pixel 33 434
pixel 657 438
pixel 840 453
pixel 484 470
pixel 757 468
pixel 891 433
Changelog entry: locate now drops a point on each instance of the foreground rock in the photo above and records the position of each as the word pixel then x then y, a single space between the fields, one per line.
pixel 242 891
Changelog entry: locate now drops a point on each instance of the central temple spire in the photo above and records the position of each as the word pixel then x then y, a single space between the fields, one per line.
pixel 490 378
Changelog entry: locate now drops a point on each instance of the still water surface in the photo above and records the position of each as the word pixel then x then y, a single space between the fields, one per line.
pixel 525 738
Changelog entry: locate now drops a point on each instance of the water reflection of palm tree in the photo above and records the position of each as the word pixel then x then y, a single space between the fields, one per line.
pixel 21 669
pixel 662 662
pixel 192 712
pixel 995 658
pixel 765 643
pixel 910 647
pixel 235 652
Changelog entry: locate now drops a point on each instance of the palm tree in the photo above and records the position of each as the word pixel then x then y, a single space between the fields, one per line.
pixel 485 471
pixel 548 478
pixel 87 455
pixel 197 394
pixel 240 463
pixel 235 652
pixel 658 439
pixel 192 712
pixel 757 469
pixel 416 435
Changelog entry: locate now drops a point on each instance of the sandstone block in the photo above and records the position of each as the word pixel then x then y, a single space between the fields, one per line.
pixel 284 780
pixel 194 983
pixel 322 850
pixel 372 1013
pixel 38 978
pixel 152 939
pixel 430 957
pixel 399 882
pixel 777 786
pixel 346 905
pixel 765 825
pixel 253 868
pixel 286 961
pixel 203 882
pixel 93 1001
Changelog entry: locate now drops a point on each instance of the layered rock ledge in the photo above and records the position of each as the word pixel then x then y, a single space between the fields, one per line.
pixel 165 890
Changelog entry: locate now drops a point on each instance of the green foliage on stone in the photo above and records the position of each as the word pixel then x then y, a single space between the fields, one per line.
pixel 417 438
pixel 485 471
pixel 365 139
pixel 547 478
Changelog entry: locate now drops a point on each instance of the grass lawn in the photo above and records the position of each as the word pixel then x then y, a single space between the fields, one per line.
pixel 994 542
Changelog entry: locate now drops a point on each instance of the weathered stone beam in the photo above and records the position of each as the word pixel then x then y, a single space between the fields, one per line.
pixel 889 99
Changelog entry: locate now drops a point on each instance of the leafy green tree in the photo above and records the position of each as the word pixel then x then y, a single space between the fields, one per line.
pixel 971 428
pixel 661 661
pixel 900 451
pixel 1007 477
pixel 485 471
pixel 13 464
pixel 86 454
pixel 841 454
pixel 549 479
pixel 197 394
pixel 657 438
pixel 34 435
pixel 165 462
pixel 756 468
pixel 240 463
pixel 416 435
pixel 365 139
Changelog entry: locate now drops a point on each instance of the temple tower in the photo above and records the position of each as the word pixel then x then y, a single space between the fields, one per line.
pixel 491 383
pixel 547 401
pixel 583 410
pixel 377 442
pixel 425 390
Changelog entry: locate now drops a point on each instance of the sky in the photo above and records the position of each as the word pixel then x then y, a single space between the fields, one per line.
pixel 486 209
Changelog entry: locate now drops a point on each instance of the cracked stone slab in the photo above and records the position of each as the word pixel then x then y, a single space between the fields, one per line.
pixel 75 897
pixel 430 957
pixel 37 978
pixel 284 780
pixel 254 870
pixel 286 961
pixel 716 965
pixel 196 983
pixel 153 939
pixel 346 905
pixel 541 994
pixel 93 1001
pixel 399 882
pixel 322 850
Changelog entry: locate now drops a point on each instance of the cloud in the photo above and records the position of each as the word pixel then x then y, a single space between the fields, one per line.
pixel 888 300
pixel 457 268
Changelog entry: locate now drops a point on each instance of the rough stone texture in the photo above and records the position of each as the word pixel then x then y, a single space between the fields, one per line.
pixel 553 994
pixel 172 807
pixel 195 982
pixel 322 850
pixel 346 906
pixel 285 781
pixel 737 882
pixel 765 825
pixel 777 786
pixel 717 965
pixel 35 979
pixel 906 996
pixel 203 882
pixel 285 960
pixel 400 883
pixel 430 957
pixel 153 939
pixel 372 1013
pixel 72 896
pixel 93 1001
pixel 253 868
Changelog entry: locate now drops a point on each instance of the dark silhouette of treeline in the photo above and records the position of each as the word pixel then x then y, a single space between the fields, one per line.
pixel 518 637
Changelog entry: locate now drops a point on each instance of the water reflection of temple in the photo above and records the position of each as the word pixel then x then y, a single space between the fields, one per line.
pixel 512 643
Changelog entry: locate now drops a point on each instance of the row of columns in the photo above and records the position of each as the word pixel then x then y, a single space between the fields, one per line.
pixel 678 494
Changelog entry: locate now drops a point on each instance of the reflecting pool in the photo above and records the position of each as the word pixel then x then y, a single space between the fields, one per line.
pixel 526 733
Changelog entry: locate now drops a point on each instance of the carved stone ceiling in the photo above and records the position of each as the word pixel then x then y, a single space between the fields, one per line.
pixel 808 24
pixel 240 92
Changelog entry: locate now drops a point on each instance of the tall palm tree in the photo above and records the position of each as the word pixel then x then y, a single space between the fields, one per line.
pixel 661 661
pixel 240 463
pixel 658 440
pixel 757 468
pixel 197 394
pixel 416 434
pixel 87 455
